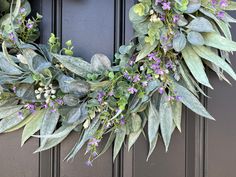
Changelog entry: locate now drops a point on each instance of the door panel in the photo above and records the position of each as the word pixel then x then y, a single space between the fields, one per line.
pixel 16 161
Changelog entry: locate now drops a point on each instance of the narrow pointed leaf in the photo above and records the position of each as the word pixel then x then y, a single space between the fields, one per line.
pixel 64 131
pixel 217 41
pixel 33 126
pixel 120 137
pixel 153 126
pixel 189 100
pixel 147 48
pixel 6 111
pixel 12 121
pixel 209 55
pixel 177 113
pixel 195 65
pixel 166 120
pixel 89 133
pixel 49 124
pixel 132 138
pixel 200 24
pixel 75 65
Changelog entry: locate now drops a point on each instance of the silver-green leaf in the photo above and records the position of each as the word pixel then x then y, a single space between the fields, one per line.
pixel 195 65
pixel 189 100
pixel 200 24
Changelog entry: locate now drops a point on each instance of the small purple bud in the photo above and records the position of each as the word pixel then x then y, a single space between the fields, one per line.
pixel 161 90
pixel 22 10
pixel 136 78
pixel 20 115
pixel 89 163
pixel 220 15
pixel 122 121
pixel 132 90
pixel 166 6
pixel 176 18
pixel 59 101
pixel 144 83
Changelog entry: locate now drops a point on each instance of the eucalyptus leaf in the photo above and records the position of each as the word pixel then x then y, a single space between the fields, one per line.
pixel 120 137
pixel 77 114
pixel 179 42
pixel 12 120
pixel 49 124
pixel 195 38
pixel 189 100
pixel 89 133
pixel 100 62
pixel 147 48
pixel 6 111
pixel 166 119
pixel 153 126
pixel 33 126
pixel 217 41
pixel 176 107
pixel 132 138
pixel 208 55
pixel 200 24
pixel 75 65
pixel 195 66
pixel 64 131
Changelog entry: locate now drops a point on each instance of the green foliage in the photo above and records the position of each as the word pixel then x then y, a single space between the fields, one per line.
pixel 46 88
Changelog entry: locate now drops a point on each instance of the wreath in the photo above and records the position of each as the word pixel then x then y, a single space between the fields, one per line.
pixel 45 88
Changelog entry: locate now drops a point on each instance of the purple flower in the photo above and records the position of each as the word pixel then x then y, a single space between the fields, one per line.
pixel 20 115
pixel 166 5
pixel 132 61
pixel 214 2
pixel 175 18
pixel 159 72
pixel 122 121
pixel 162 17
pixel 152 56
pixel 59 101
pixel 170 98
pixel 19 21
pixel 53 110
pixel 44 106
pixel 100 96
pixel 178 98
pixel 126 75
pixel 136 78
pixel 94 154
pixel 155 66
pixel 145 83
pixel 161 90
pixel 93 142
pixel 220 14
pixel 14 89
pixel 29 25
pixel 169 65
pixel 89 163
pixel 132 90
pixel 224 3
pixel 30 107
pixel 22 10
pixel 148 77
pixel 52 104
pixel 12 36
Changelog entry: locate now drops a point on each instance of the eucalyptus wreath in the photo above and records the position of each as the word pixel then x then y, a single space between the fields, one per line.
pixel 45 88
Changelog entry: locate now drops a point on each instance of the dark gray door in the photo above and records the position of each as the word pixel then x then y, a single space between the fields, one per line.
pixel 203 149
